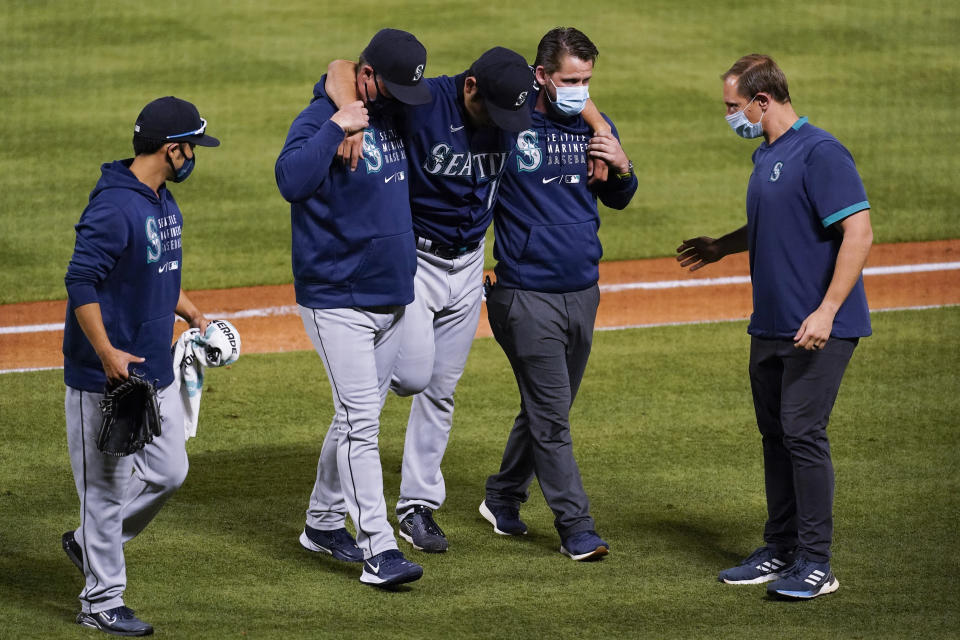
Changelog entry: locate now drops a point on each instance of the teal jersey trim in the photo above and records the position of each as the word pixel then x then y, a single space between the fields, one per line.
pixel 799 123
pixel 846 211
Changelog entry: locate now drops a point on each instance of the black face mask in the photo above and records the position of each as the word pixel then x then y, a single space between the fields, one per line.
pixel 382 107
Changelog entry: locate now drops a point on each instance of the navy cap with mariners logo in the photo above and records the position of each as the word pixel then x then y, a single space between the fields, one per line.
pixel 173 120
pixel 399 60
pixel 505 81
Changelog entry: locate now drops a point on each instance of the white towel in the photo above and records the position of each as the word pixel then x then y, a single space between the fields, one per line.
pixel 192 354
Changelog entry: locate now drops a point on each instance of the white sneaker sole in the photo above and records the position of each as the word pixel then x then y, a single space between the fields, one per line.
pixel 829 587
pixel 596 553
pixel 492 519
pixel 371 578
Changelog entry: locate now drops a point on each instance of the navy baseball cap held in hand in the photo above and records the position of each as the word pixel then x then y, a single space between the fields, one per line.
pixel 399 60
pixel 171 119
pixel 505 82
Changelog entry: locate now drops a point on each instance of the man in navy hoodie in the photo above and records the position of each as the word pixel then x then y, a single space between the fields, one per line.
pixel 543 306
pixel 354 259
pixel 123 288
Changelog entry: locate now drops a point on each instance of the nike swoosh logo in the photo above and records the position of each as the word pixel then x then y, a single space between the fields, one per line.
pixel 454 129
pixel 546 180
pixel 390 178
pixel 375 569
pixel 163 268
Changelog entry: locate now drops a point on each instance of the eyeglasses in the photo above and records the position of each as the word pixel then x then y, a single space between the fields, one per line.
pixel 197 132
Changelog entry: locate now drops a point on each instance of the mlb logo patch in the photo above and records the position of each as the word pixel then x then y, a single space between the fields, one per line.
pixel 574 179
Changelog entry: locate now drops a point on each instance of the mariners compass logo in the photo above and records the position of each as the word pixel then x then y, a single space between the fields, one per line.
pixel 775 174
pixel 153 240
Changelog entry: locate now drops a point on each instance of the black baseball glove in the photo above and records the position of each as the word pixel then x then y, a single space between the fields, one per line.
pixel 131 417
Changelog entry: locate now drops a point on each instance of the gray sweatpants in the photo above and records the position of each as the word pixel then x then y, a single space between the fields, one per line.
pixel 547 338
pixel 358 348
pixel 438 331
pixel 119 496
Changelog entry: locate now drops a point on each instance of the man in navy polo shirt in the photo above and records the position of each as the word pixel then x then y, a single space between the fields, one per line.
pixel 808 234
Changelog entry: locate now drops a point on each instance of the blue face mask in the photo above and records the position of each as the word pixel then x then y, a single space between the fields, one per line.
pixel 181 174
pixel 742 126
pixel 570 100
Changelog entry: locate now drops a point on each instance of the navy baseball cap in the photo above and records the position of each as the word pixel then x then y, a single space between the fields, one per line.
pixel 399 60
pixel 505 82
pixel 173 120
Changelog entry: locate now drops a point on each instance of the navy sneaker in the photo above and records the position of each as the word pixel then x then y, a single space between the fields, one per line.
pixel 72 549
pixel 419 529
pixel 338 543
pixel 804 579
pixel 763 565
pixel 585 545
pixel 505 520
pixel 390 568
pixel 118 621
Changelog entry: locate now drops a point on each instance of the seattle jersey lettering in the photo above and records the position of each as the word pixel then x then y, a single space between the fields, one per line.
pixel 443 161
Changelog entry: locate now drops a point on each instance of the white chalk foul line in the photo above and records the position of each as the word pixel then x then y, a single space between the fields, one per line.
pixel 714 282
pixel 292 310
pixel 619 328
pixel 286 310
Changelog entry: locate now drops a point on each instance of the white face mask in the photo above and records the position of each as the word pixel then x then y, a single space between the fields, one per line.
pixel 742 126
pixel 570 100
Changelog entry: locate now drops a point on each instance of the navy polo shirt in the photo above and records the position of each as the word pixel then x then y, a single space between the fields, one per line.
pixel 801 185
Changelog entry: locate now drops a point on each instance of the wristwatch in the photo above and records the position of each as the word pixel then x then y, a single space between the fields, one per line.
pixel 629 173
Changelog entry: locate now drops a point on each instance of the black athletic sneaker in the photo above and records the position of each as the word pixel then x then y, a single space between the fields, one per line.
pixel 72 549
pixel 505 520
pixel 119 621
pixel 420 530
pixel 338 543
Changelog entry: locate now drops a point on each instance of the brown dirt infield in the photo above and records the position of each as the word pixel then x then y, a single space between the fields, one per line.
pixel 621 308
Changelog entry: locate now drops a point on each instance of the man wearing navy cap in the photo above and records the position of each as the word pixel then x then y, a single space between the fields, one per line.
pixel 458 155
pixel 808 234
pixel 123 289
pixel 354 259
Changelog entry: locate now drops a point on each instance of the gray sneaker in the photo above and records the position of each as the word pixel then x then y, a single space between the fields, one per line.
pixel 419 529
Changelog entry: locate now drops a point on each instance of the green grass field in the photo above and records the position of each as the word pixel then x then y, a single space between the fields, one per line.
pixel 882 75
pixel 663 427
pixel 670 455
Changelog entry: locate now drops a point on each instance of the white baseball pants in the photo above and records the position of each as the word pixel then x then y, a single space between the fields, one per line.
pixel 119 496
pixel 438 330
pixel 358 348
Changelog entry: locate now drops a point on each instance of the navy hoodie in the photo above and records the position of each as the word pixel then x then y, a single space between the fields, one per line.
pixel 353 243
pixel 127 258
pixel 546 220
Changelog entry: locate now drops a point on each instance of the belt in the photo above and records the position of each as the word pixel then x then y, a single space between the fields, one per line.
pixel 445 251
